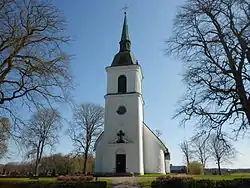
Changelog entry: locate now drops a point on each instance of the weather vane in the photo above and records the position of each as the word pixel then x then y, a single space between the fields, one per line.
pixel 125 8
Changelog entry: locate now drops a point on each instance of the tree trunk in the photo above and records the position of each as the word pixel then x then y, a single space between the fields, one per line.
pixel 37 160
pixel 36 168
pixel 39 156
pixel 203 166
pixel 85 163
pixel 243 96
pixel 219 170
pixel 85 159
pixel 187 158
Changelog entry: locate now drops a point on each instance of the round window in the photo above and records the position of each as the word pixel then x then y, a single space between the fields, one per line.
pixel 121 110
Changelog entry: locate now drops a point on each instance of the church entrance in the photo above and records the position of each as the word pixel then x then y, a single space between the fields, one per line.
pixel 120 163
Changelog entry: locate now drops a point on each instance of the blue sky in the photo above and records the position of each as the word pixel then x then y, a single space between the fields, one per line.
pixel 95 27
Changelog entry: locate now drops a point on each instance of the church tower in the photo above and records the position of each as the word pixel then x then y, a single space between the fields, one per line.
pixel 124 109
pixel 127 144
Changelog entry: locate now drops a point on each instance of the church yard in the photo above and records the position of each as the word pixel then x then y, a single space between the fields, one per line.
pixel 106 119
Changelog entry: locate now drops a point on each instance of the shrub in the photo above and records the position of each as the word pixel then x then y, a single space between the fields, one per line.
pixel 43 184
pixel 75 178
pixel 160 178
pixel 173 182
pixel 169 177
pixel 195 168
pixel 89 178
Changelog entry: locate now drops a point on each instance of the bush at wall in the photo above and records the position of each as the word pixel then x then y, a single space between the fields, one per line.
pixel 43 184
pixel 195 168
pixel 175 182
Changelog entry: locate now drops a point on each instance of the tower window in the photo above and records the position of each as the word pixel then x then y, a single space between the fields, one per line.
pixel 122 84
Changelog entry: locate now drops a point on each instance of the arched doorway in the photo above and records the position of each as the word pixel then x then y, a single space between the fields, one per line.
pixel 120 161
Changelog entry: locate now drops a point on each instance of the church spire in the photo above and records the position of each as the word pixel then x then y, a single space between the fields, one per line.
pixel 124 57
pixel 125 41
pixel 125 35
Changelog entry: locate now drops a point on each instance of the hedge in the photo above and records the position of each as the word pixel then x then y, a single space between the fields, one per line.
pixel 175 182
pixel 75 178
pixel 43 184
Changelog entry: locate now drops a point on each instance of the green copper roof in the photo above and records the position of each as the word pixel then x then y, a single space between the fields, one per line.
pixel 124 58
pixel 125 35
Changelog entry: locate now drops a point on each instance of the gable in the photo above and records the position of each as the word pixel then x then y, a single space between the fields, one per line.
pixel 158 140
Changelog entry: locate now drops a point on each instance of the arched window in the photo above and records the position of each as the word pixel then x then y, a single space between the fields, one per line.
pixel 122 84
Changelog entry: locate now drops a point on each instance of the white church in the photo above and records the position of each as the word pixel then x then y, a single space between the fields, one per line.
pixel 127 144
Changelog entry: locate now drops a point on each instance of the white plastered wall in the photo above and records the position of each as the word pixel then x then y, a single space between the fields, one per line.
pixel 133 74
pixel 131 123
pixel 153 154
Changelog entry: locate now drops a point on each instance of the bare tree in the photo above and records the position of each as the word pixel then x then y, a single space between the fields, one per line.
pixel 87 126
pixel 49 166
pixel 186 150
pixel 221 150
pixel 34 71
pixel 200 149
pixel 41 133
pixel 213 39
pixel 4 135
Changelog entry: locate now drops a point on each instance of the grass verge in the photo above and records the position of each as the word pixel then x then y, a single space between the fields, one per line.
pixel 27 179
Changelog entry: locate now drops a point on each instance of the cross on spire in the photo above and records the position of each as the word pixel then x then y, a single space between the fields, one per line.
pixel 125 8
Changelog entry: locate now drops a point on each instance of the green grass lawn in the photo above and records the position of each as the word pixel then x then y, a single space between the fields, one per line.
pixel 107 180
pixel 45 179
pixel 151 175
pixel 27 179
pixel 147 179
pixel 222 177
pixel 49 179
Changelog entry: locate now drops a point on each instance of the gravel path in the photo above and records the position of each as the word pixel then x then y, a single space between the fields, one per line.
pixel 124 182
